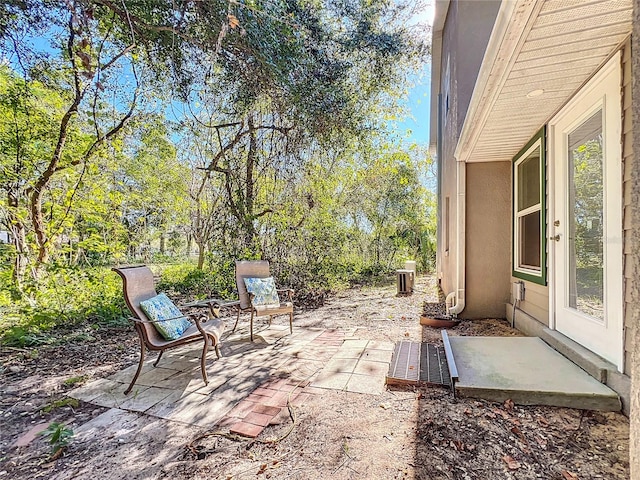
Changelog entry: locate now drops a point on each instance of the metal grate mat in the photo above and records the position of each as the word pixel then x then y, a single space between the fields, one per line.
pixel 414 362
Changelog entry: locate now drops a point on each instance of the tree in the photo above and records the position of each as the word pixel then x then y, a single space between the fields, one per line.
pixel 89 65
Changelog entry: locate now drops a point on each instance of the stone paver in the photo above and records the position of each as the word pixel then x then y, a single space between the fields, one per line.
pixel 357 367
pixel 146 399
pixel 252 385
pixel 331 380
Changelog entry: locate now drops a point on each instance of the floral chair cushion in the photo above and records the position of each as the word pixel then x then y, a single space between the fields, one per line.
pixel 263 289
pixel 161 308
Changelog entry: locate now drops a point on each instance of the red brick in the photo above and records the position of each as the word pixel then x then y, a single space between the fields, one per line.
pixel 246 429
pixel 30 435
pixel 298 383
pixel 265 392
pixel 266 410
pixel 275 384
pixel 258 419
pixel 290 388
pixel 227 422
pixel 279 400
pixel 255 398
pixel 242 409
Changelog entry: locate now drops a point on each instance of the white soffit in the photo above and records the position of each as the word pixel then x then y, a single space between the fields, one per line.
pixel 553 45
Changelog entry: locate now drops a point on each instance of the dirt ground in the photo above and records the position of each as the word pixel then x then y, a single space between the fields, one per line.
pixel 421 433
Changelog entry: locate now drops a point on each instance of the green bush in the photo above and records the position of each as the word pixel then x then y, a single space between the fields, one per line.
pixel 186 279
pixel 61 298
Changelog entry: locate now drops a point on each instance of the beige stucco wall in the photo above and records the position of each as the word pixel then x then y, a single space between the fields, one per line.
pixel 463 50
pixel 488 236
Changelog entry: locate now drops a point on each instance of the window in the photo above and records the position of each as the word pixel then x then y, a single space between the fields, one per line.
pixel 446 226
pixel 529 246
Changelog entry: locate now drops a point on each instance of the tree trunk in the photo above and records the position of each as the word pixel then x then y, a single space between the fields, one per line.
pixel 162 244
pixel 634 321
pixel 249 231
pixel 189 243
pixel 201 251
pixel 18 232
pixel 37 219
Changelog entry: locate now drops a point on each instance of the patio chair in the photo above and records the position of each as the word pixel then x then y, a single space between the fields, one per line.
pixel 255 304
pixel 137 287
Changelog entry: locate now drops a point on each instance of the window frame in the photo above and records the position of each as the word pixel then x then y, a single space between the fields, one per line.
pixel 532 275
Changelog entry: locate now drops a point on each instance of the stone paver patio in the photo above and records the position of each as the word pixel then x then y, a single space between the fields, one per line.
pixel 252 384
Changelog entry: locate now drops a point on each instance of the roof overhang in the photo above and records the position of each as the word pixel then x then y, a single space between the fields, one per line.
pixel 549 45
pixel 441 9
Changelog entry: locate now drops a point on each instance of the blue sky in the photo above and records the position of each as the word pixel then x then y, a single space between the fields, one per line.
pixel 417 102
pixel 418 105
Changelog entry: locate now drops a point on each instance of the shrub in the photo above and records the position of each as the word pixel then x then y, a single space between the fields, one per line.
pixel 61 298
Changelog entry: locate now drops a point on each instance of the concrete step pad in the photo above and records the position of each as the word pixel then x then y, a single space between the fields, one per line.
pixel 527 371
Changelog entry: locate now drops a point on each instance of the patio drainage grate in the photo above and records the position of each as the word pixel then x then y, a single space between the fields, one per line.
pixel 434 369
pixel 415 362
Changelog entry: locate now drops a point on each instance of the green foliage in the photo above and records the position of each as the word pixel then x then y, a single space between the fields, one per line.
pixel 62 297
pixel 63 402
pixel 58 435
pixel 258 131
pixel 70 382
pixel 216 281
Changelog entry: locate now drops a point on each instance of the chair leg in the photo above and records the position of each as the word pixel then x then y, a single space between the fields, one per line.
pixel 291 322
pixel 251 326
pixel 203 360
pixel 155 364
pixel 270 319
pixel 237 319
pixel 135 377
pixel 218 350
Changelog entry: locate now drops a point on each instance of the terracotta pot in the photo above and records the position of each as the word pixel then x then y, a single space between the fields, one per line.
pixel 439 322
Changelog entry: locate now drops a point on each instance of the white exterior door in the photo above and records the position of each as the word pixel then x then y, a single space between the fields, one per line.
pixel 585 221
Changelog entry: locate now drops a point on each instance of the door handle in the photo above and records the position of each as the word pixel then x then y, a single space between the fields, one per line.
pixel 555 238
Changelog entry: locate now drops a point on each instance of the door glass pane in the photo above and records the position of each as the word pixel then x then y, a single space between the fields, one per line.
pixel 530 241
pixel 529 181
pixel 586 205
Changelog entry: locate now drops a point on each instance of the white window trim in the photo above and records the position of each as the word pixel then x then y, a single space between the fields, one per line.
pixel 517 215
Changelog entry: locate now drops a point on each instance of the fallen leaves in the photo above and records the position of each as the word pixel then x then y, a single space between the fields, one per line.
pixel 233 21
pixel 511 462
pixel 569 475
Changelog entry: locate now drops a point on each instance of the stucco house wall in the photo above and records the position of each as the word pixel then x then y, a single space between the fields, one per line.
pixel 459 65
pixel 488 235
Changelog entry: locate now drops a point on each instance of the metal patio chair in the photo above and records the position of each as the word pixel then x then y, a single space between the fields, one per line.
pixel 260 269
pixel 138 286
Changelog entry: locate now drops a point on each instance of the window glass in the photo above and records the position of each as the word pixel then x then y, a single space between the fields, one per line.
pixel 529 181
pixel 530 240
pixel 586 207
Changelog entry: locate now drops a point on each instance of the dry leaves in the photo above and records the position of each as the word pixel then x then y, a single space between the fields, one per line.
pixel 512 463
pixel 569 475
pixel 233 21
